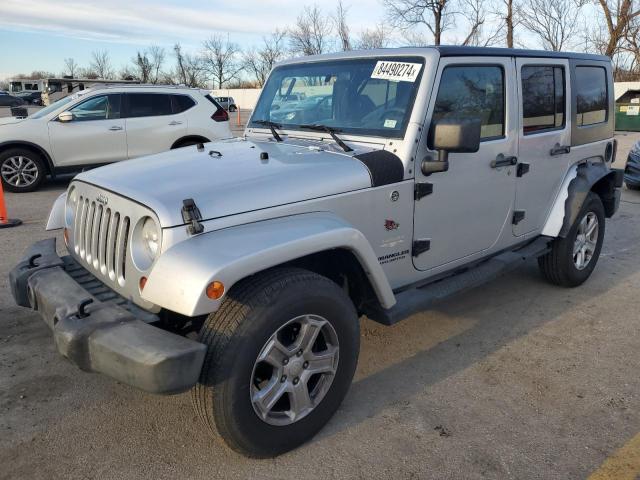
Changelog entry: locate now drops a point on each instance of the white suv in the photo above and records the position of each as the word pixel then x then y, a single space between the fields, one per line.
pixel 104 125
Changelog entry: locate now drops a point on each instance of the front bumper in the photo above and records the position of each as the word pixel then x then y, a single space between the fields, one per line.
pixel 103 336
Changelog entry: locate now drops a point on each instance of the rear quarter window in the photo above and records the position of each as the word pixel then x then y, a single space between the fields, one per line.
pixel 182 103
pixel 591 95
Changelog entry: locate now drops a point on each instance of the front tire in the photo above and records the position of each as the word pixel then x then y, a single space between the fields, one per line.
pixel 573 258
pixel 21 170
pixel 282 351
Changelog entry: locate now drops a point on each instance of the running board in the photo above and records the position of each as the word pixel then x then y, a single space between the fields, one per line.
pixel 421 298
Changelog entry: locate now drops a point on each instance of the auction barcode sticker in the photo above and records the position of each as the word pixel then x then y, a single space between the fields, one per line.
pixel 398 71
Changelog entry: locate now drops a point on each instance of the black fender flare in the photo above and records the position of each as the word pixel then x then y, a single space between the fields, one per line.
pixel 189 138
pixel 596 177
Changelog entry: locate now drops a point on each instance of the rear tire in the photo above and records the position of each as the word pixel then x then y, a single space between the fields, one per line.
pixel 258 371
pixel 632 186
pixel 573 258
pixel 21 170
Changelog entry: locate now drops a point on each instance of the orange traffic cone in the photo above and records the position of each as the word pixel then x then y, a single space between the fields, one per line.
pixel 5 221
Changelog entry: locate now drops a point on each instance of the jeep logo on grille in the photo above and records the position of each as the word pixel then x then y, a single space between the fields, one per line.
pixel 102 199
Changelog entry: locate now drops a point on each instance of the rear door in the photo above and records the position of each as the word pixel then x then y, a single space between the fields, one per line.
pixel 471 204
pixel 544 138
pixel 95 135
pixel 152 126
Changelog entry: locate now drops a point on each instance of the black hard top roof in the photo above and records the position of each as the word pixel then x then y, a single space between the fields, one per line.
pixel 459 51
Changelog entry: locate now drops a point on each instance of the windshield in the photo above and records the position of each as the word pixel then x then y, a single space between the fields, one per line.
pixel 361 96
pixel 53 106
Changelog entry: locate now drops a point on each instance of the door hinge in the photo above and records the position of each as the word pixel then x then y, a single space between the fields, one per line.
pixel 191 216
pixel 518 216
pixel 522 169
pixel 422 190
pixel 420 246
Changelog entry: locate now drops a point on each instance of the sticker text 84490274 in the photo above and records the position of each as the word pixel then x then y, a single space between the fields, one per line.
pixel 398 71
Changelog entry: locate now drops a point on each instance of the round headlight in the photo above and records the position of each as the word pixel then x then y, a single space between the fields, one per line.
pixel 145 246
pixel 151 237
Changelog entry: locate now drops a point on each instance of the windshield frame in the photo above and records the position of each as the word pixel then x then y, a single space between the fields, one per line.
pixel 346 130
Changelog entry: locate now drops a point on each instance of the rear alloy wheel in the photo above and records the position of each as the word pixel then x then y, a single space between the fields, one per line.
pixel 21 170
pixel 282 350
pixel 573 258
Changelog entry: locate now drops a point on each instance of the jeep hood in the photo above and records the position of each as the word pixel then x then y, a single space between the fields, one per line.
pixel 229 177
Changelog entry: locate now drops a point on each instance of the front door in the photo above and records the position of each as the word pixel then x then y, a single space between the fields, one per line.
pixel 471 204
pixel 95 135
pixel 544 138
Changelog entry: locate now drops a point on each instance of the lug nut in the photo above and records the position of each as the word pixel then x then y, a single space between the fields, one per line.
pixel 285 361
pixel 305 365
pixel 283 379
pixel 299 353
pixel 296 380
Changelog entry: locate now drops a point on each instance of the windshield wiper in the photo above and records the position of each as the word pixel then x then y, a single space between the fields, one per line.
pixel 272 126
pixel 331 131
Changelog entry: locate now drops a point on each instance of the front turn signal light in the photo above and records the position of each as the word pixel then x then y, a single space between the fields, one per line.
pixel 142 283
pixel 65 234
pixel 215 290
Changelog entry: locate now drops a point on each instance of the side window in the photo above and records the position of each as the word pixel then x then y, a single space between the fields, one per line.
pixel 473 91
pixel 182 103
pixel 543 98
pixel 149 104
pixel 591 93
pixel 102 107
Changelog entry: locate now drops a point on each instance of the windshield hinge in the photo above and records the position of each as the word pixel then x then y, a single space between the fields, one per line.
pixel 422 190
pixel 191 216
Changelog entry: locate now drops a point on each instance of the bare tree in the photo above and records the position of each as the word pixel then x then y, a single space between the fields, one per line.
pixel 142 67
pixel 554 22
pixel 475 13
pixel 157 56
pixel 342 28
pixel 311 33
pixel 377 37
pixel 259 61
pixel 220 59
pixel 509 14
pixel 189 68
pixel 618 14
pixel 70 67
pixel 101 64
pixel 435 15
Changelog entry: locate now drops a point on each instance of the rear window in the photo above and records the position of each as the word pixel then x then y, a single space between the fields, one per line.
pixel 591 95
pixel 149 104
pixel 182 103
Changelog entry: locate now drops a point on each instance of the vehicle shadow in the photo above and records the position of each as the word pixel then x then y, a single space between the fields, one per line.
pixel 498 313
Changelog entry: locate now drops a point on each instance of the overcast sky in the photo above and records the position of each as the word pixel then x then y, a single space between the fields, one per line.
pixel 39 34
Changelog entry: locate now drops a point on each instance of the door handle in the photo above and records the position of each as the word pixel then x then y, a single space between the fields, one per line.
pixel 175 122
pixel 502 161
pixel 115 128
pixel 560 150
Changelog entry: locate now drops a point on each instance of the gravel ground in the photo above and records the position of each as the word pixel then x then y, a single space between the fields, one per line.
pixel 513 380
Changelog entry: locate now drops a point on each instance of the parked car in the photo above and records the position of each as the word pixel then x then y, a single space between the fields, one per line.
pixel 31 98
pixel 632 168
pixel 239 270
pixel 228 103
pixel 104 125
pixel 7 100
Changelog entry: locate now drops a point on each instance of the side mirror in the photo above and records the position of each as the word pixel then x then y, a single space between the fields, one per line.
pixel 65 117
pixel 452 135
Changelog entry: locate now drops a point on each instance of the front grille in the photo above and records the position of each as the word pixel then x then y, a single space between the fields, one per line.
pixel 100 238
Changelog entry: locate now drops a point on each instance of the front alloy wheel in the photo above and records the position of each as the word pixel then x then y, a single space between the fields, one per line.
pixel 20 170
pixel 294 370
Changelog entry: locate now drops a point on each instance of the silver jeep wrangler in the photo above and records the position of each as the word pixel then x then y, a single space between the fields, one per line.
pixel 238 269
